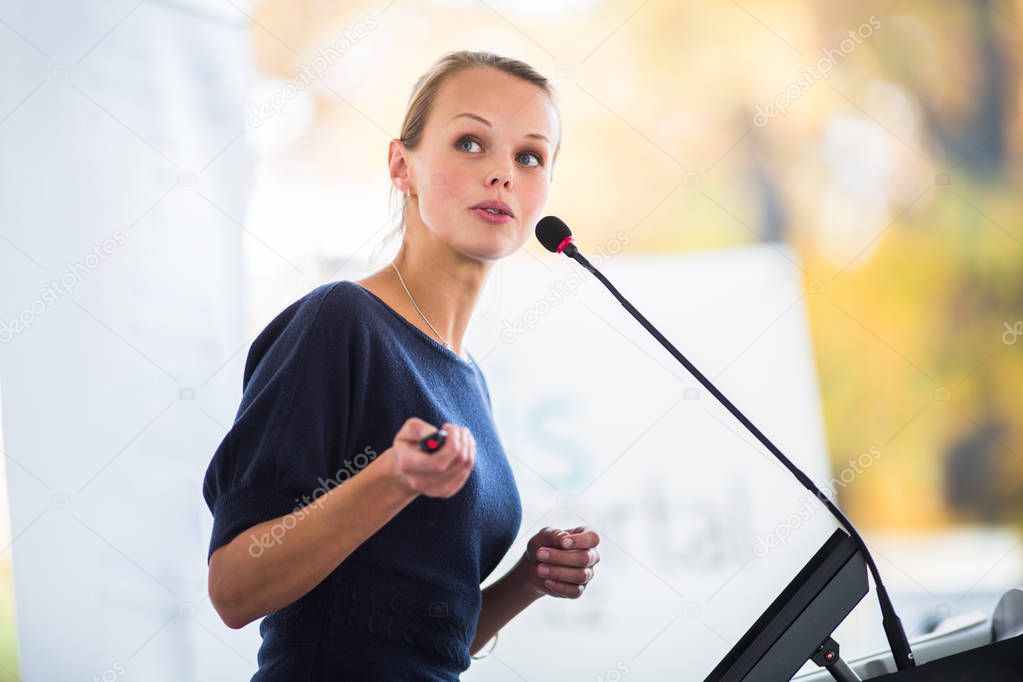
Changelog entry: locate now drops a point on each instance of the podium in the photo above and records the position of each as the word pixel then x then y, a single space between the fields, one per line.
pixel 798 624
pixel 995 662
pixel 985 649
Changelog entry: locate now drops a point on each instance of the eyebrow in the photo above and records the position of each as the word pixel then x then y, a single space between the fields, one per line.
pixel 487 123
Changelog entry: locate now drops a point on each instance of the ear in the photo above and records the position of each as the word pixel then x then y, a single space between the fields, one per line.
pixel 398 166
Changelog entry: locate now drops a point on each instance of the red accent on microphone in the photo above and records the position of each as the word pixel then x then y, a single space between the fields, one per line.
pixel 564 242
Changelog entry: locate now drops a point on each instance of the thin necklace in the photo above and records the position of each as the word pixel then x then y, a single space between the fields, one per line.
pixel 402 280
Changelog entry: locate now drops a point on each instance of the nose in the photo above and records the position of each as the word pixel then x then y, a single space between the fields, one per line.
pixel 500 176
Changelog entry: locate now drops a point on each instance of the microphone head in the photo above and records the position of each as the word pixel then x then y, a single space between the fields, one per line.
pixel 553 233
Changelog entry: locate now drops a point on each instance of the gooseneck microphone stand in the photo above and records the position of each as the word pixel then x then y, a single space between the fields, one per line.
pixel 556 237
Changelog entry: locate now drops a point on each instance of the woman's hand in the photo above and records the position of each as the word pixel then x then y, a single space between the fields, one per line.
pixel 560 563
pixel 440 474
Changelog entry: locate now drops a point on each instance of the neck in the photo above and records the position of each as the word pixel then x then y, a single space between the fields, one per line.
pixel 445 285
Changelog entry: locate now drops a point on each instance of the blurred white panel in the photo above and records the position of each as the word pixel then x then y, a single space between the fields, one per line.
pixel 604 428
pixel 123 181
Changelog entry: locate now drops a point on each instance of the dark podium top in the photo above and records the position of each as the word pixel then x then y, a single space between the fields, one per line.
pixel 990 663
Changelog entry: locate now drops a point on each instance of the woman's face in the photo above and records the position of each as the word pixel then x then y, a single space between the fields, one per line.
pixel 489 137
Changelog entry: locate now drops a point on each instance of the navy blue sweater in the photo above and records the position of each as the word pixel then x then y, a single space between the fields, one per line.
pixel 326 386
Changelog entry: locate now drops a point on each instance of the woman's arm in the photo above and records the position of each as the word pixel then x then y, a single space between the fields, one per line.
pixel 245 585
pixel 502 601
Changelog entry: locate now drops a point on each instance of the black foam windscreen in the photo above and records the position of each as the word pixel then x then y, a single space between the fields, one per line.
pixel 551 231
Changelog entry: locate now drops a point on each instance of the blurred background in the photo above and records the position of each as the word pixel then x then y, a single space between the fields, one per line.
pixel 874 147
pixel 892 173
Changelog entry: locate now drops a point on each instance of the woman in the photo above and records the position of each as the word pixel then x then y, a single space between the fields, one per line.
pixel 379 578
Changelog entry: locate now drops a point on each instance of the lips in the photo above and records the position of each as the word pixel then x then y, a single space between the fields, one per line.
pixel 496 218
pixel 495 206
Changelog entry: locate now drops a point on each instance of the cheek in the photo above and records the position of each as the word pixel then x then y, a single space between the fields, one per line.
pixel 451 189
pixel 534 195
pixel 463 184
pixel 440 198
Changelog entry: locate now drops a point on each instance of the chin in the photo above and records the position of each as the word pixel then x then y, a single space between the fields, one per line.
pixel 486 253
pixel 488 250
pixel 492 244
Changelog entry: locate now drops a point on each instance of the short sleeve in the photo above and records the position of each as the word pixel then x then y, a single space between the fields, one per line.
pixel 292 421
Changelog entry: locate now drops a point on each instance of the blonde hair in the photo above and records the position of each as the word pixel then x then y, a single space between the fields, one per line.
pixel 424 93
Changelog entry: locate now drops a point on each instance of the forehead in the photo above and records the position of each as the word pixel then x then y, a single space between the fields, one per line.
pixel 509 103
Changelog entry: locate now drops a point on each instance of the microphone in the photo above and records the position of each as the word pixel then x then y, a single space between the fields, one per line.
pixel 556 237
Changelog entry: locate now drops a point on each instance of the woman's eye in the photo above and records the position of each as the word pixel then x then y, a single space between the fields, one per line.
pixel 539 161
pixel 464 140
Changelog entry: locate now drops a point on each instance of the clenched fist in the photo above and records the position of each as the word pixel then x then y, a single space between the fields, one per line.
pixel 441 474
